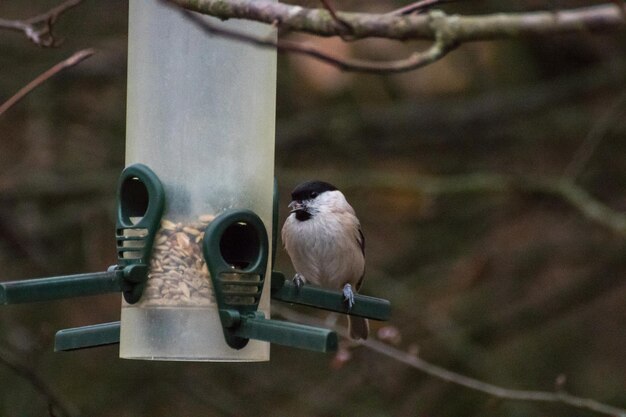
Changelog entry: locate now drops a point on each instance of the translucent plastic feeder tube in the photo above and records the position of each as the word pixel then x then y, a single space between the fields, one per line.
pixel 200 114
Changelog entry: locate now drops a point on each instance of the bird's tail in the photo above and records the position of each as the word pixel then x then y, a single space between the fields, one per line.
pixel 359 327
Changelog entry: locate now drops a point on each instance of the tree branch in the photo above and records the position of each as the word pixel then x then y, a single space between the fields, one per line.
pixel 75 59
pixel 39 28
pixel 419 6
pixel 598 131
pixel 447 32
pixel 601 18
pixel 331 9
pixel 441 47
pixel 560 397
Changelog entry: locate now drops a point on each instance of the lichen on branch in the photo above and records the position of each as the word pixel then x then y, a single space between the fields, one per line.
pixel 599 18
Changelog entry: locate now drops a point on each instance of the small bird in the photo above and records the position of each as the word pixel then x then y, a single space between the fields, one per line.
pixel 323 238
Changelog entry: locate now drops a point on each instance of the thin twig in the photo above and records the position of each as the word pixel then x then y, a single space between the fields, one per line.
pixel 39 28
pixel 67 63
pixel 560 397
pixel 593 139
pixel 438 50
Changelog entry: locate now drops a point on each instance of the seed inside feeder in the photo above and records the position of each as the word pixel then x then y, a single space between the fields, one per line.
pixel 178 274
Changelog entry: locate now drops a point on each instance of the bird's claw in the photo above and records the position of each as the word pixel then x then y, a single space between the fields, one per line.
pixel 348 296
pixel 298 281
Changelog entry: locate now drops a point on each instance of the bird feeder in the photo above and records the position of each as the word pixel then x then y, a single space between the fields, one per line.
pixel 196 207
pixel 200 113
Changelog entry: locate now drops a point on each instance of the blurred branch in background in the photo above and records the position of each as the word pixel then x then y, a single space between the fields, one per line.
pixel 454 120
pixel 39 28
pixel 447 31
pixel 58 407
pixel 564 189
pixel 45 186
pixel 560 396
pixel 51 185
pixel 593 139
pixel 80 194
pixel 75 59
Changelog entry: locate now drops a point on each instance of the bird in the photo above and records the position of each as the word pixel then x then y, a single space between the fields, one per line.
pixel 324 240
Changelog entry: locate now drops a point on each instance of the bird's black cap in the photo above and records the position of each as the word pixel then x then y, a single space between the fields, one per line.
pixel 311 189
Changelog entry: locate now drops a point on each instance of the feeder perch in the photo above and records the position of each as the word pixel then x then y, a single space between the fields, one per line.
pixel 88 336
pixel 325 299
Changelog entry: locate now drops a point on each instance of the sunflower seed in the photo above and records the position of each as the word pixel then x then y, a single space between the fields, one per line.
pixel 178 273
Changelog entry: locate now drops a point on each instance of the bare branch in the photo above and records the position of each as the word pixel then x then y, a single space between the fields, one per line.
pixel 438 50
pixel 447 32
pixel 39 28
pixel 419 6
pixel 331 9
pixel 67 63
pixel 560 396
pixel 621 5
pixel 600 18
pixel 593 139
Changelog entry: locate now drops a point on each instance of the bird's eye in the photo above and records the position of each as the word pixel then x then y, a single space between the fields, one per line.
pixel 314 194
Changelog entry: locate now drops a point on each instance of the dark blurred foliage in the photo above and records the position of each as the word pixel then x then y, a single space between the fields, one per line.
pixel 514 289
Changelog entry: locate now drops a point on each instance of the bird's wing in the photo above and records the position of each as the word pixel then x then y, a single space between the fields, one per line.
pixel 361 241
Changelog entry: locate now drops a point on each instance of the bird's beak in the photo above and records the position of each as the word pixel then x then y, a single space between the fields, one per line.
pixel 296 206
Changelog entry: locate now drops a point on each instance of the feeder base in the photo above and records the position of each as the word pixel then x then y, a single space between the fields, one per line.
pixel 181 334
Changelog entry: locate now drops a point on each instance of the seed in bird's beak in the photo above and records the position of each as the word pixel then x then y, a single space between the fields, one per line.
pixel 296 206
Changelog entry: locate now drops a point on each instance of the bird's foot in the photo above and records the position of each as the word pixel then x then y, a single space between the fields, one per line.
pixel 298 281
pixel 348 296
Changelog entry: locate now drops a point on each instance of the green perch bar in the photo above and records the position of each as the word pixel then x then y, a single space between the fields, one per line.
pixel 87 337
pixel 301 336
pixel 253 327
pixel 312 296
pixel 55 288
pixel 246 326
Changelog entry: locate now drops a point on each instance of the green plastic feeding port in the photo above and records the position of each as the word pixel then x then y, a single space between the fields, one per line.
pixel 325 299
pixel 236 250
pixel 140 204
pixel 141 200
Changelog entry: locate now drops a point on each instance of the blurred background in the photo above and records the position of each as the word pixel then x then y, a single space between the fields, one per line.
pixel 512 285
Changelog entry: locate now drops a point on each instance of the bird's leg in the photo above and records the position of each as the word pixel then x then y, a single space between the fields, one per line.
pixel 348 295
pixel 298 281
